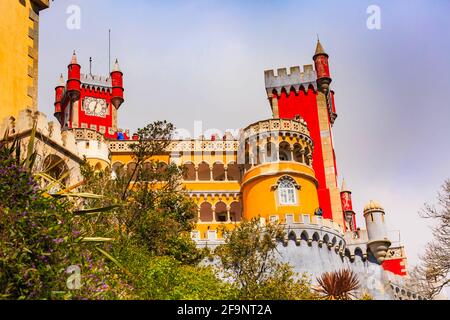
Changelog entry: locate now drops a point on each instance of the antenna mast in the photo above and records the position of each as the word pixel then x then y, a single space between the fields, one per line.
pixel 109 51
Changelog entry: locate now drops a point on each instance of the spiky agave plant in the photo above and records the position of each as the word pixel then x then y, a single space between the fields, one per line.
pixel 338 285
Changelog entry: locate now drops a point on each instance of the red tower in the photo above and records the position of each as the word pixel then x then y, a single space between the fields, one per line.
pixel 117 86
pixel 73 80
pixel 347 208
pixel 90 101
pixel 307 94
pixel 59 92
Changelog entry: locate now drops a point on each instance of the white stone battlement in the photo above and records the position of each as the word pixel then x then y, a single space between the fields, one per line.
pixel 91 144
pixel 294 79
pixel 48 129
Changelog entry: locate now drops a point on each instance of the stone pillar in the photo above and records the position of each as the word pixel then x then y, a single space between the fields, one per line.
pixel 214 214
pixel 225 168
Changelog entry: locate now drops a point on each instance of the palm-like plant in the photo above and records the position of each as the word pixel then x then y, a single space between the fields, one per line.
pixel 338 285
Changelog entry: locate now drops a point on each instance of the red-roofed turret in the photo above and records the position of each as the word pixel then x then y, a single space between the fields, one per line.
pixel 73 81
pixel 117 86
pixel 59 91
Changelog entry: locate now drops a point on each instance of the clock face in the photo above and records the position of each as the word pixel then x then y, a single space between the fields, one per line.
pixel 95 107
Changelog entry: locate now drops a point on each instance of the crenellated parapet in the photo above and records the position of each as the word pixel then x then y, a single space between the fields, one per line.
pixel 56 150
pixel 94 82
pixel 48 130
pixel 295 79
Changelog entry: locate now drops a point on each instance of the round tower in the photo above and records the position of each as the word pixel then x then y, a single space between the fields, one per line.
pixel 277 175
pixel 117 86
pixel 376 230
pixel 322 68
pixel 59 91
pixel 347 208
pixel 73 81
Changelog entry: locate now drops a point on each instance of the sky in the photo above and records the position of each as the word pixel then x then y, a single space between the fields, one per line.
pixel 204 60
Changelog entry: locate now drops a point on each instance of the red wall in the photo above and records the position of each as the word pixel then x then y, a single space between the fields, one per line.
pixel 305 105
pixel 99 121
pixel 394 266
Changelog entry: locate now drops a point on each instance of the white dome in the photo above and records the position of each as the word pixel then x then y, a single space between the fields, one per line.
pixel 373 205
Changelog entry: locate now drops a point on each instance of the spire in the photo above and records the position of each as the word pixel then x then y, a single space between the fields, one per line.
pixel 344 186
pixel 61 82
pixel 116 66
pixel 74 58
pixel 319 48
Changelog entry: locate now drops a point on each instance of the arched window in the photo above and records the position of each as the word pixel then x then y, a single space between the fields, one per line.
pixel 117 170
pixel 271 152
pixel 204 173
pixel 298 156
pixel 189 171
pixel 232 171
pixel 284 152
pixel 287 191
pixel 235 211
pixel 218 171
pixel 131 167
pixel 220 210
pixel 206 212
pixel 307 156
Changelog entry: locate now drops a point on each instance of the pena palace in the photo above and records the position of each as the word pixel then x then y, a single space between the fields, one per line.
pixel 282 169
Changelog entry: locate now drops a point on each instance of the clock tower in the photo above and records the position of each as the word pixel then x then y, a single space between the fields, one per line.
pixel 89 101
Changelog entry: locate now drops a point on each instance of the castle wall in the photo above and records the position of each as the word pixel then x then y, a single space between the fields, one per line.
pixel 315 260
pixel 19 32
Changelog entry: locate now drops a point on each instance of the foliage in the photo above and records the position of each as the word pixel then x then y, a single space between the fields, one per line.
pixel 248 258
pixel 151 224
pixel 366 296
pixel 40 237
pixel 155 211
pixel 166 278
pixel 338 285
pixel 432 274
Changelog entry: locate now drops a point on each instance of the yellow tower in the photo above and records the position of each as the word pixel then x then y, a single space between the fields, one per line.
pixel 278 181
pixel 19 35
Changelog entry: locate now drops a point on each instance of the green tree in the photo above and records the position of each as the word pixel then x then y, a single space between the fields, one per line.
pixel 153 250
pixel 152 206
pixel 249 259
pixel 166 278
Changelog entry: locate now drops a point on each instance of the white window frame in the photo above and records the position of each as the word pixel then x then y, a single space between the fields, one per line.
pixel 287 196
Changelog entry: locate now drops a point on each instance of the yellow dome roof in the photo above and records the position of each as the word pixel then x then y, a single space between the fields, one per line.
pixel 373 205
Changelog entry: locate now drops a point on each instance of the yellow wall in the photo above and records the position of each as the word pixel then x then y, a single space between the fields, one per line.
pixel 260 199
pixel 18 55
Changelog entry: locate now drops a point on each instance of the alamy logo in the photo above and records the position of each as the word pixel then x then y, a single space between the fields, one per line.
pixel 373 22
pixel 74 280
pixel 73 22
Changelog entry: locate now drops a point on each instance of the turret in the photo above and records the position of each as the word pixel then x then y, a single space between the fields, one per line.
pixel 347 208
pixel 322 68
pixel 59 91
pixel 376 229
pixel 117 86
pixel 73 81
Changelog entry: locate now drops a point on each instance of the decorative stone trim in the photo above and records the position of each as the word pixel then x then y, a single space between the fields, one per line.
pixel 183 146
